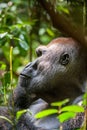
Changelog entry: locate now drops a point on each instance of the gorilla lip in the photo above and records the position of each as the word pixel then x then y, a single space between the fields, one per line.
pixel 25 76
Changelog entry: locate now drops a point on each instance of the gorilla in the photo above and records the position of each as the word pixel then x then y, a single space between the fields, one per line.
pixel 59 72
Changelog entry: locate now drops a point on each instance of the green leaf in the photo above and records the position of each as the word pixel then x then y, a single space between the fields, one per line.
pixel 50 32
pixel 6 78
pixel 9 36
pixel 85 95
pixel 46 113
pixel 22 43
pixel 3 5
pixel 2 65
pixel 63 9
pixel 85 99
pixel 73 108
pixel 5 118
pixel 66 116
pixel 60 103
pixel 21 112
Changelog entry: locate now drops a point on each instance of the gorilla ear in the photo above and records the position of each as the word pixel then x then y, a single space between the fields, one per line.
pixel 41 50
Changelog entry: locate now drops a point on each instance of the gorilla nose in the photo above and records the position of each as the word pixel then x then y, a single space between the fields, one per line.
pixel 29 70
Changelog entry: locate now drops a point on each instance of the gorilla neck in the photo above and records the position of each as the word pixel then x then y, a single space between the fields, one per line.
pixel 60 92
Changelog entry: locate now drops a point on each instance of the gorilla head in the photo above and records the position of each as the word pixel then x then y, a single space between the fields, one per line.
pixel 59 71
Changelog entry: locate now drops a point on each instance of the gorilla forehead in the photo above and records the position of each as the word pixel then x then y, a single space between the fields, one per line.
pixel 63 40
pixel 58 47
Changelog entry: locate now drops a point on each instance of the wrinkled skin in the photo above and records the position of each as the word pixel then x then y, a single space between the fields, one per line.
pixel 59 72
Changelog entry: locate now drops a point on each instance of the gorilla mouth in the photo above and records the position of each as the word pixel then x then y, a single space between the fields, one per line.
pixel 25 76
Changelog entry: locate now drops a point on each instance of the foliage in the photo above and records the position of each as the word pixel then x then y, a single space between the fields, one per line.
pixel 8 120
pixel 21 112
pixel 64 113
pixel 19 30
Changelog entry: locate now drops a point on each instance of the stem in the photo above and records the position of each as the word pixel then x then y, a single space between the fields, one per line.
pixel 12 113
pixel 11 74
pixel 61 128
pixel 5 99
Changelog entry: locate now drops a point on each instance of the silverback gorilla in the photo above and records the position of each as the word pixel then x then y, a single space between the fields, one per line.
pixel 59 72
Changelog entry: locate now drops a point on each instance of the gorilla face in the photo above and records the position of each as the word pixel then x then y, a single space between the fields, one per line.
pixel 59 71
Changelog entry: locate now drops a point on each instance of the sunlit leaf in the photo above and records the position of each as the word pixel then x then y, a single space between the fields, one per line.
pixel 50 32
pixel 46 113
pixel 85 95
pixel 2 35
pixel 60 103
pixel 21 112
pixel 66 116
pixel 9 36
pixel 85 99
pixel 63 9
pixel 42 31
pixel 23 44
pixel 2 65
pixel 3 5
pixel 73 108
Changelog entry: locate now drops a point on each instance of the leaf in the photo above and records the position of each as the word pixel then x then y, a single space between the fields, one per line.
pixel 21 112
pixel 73 108
pixel 85 99
pixel 50 32
pixel 2 35
pixel 46 113
pixel 3 5
pixel 2 65
pixel 4 38
pixel 60 103
pixel 66 116
pixel 63 9
pixel 85 95
pixel 5 118
pixel 22 43
pixel 6 78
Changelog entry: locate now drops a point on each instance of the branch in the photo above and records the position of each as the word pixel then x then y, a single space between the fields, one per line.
pixel 63 24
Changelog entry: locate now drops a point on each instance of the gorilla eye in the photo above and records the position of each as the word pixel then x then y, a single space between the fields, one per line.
pixel 64 59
